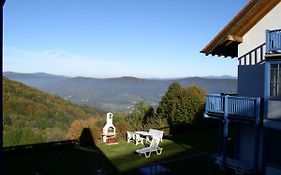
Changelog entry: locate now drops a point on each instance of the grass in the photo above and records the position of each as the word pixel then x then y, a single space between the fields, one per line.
pixel 123 155
pixel 114 159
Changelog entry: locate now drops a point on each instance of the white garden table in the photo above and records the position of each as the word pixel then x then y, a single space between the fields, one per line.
pixel 146 135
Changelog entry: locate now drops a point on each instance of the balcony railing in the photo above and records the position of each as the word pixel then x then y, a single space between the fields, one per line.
pixel 273 41
pixel 257 55
pixel 233 106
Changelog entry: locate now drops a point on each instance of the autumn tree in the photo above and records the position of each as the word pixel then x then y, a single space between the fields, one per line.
pixel 181 106
pixel 77 127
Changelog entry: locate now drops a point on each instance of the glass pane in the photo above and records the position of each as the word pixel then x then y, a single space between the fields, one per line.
pixel 275 80
pixel 273 76
pixel 273 89
pixel 274 66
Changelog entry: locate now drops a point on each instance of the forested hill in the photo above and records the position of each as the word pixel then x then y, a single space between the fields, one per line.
pixel 31 116
pixel 117 94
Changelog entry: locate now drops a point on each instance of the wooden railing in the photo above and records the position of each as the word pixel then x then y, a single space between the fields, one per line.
pixel 233 105
pixel 214 103
pixel 273 41
pixel 271 46
pixel 255 56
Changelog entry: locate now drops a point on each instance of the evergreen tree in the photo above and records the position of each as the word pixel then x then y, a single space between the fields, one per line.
pixel 141 114
pixel 169 101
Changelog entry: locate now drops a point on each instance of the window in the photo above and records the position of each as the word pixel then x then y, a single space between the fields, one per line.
pixel 275 80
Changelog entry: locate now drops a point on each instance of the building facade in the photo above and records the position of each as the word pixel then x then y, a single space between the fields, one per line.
pixel 250 120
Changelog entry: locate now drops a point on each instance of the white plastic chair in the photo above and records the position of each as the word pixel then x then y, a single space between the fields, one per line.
pixel 153 147
pixel 139 139
pixel 130 137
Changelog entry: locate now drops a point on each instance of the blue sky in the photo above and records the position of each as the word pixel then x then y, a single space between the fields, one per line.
pixel 113 38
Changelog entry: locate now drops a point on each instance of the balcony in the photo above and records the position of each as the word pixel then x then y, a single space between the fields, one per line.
pixel 233 107
pixel 273 41
pixel 272 47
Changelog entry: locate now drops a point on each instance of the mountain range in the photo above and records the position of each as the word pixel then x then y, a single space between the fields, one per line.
pixel 117 94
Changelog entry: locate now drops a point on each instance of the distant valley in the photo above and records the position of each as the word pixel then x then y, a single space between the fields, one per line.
pixel 117 94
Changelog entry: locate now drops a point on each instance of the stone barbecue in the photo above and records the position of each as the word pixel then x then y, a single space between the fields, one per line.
pixel 109 130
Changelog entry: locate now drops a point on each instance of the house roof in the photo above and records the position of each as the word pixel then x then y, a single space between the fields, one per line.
pixel 225 43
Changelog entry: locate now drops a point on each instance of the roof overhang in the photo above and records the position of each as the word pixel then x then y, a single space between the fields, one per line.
pixel 226 42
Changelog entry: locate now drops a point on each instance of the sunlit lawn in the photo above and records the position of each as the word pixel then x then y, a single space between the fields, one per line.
pixel 124 158
pixel 123 155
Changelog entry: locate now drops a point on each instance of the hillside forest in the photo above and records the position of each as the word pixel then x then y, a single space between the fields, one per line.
pixel 119 94
pixel 31 116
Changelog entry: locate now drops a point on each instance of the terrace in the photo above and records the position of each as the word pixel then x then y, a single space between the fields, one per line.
pixel 233 107
pixel 229 108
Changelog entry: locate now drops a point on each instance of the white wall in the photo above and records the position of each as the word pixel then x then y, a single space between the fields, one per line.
pixel 256 36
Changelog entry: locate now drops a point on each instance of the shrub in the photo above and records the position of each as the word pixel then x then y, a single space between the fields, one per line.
pixel 121 129
pixel 77 127
pixel 96 134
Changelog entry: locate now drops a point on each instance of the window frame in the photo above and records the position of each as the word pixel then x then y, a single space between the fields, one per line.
pixel 276 81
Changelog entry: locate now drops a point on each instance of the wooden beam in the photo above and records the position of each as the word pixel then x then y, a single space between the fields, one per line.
pixel 235 38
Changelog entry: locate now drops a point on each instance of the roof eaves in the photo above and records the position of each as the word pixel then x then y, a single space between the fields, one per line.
pixel 226 35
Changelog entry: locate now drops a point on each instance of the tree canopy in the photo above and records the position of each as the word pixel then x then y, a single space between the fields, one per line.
pixel 181 105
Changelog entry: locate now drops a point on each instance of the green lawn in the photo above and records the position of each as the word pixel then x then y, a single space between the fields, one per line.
pixel 123 155
pixel 113 159
pixel 124 158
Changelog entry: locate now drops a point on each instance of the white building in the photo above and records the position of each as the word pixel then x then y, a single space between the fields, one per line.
pixel 254 115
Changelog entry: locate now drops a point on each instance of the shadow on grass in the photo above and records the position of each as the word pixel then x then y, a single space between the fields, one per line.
pixel 58 158
pixel 86 158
